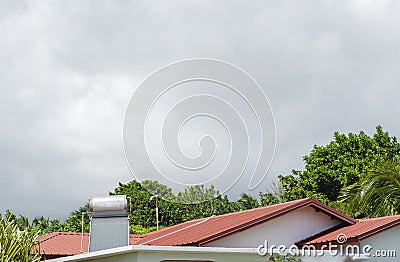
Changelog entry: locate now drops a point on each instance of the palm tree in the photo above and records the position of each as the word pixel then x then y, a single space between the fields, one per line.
pixel 16 244
pixel 23 222
pixel 41 224
pixel 376 194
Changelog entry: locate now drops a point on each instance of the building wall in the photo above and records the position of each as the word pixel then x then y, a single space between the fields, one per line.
pixel 387 240
pixel 283 230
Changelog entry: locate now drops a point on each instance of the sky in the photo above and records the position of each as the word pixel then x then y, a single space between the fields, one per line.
pixel 69 68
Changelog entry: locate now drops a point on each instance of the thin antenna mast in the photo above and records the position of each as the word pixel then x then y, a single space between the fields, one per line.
pixel 156 197
pixel 83 214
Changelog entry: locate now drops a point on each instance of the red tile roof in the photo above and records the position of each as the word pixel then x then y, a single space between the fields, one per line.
pixel 202 231
pixel 359 231
pixel 63 243
pixel 68 243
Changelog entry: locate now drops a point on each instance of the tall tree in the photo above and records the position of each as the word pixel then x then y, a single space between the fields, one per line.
pixel 341 163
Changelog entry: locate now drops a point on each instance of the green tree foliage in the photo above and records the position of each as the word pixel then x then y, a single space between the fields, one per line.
pixel 341 163
pixel 72 224
pixel 138 229
pixel 42 225
pixel 142 211
pixel 284 258
pixel 17 244
pixel 74 221
pixel 172 208
pixel 272 198
pixel 246 201
pixel 377 194
pixel 45 225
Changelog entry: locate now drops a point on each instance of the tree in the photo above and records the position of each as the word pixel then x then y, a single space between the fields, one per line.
pixel 341 163
pixel 74 221
pixel 141 209
pixel 272 198
pixel 246 201
pixel 72 224
pixel 378 194
pixel 16 244
pixel 172 208
pixel 284 258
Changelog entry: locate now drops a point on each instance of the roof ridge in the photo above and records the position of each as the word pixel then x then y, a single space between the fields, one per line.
pixel 286 204
pixel 74 233
pixel 166 228
pixel 49 236
pixel 378 218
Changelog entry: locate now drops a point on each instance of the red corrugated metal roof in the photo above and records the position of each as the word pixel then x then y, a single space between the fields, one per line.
pixel 196 232
pixel 359 231
pixel 202 231
pixel 68 243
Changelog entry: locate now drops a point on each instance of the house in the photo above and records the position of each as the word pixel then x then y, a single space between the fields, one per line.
pixel 240 236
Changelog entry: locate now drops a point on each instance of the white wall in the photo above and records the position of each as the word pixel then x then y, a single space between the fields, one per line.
pixel 387 240
pixel 283 230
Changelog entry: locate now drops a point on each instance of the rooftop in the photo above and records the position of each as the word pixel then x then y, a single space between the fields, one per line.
pixel 357 232
pixel 202 231
pixel 68 243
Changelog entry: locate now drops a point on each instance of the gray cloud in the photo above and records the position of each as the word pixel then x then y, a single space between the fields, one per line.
pixel 68 68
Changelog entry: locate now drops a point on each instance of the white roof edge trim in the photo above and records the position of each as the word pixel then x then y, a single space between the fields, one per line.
pixel 142 248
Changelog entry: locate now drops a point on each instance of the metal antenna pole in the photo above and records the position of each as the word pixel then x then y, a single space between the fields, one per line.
pixel 157 211
pixel 83 214
pixel 156 197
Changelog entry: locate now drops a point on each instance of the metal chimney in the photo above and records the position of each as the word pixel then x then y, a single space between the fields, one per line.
pixel 109 222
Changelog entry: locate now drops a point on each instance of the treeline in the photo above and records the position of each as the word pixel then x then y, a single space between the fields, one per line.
pixel 43 225
pixel 355 173
pixel 142 210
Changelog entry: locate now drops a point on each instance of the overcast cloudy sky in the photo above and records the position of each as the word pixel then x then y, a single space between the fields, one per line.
pixel 68 69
